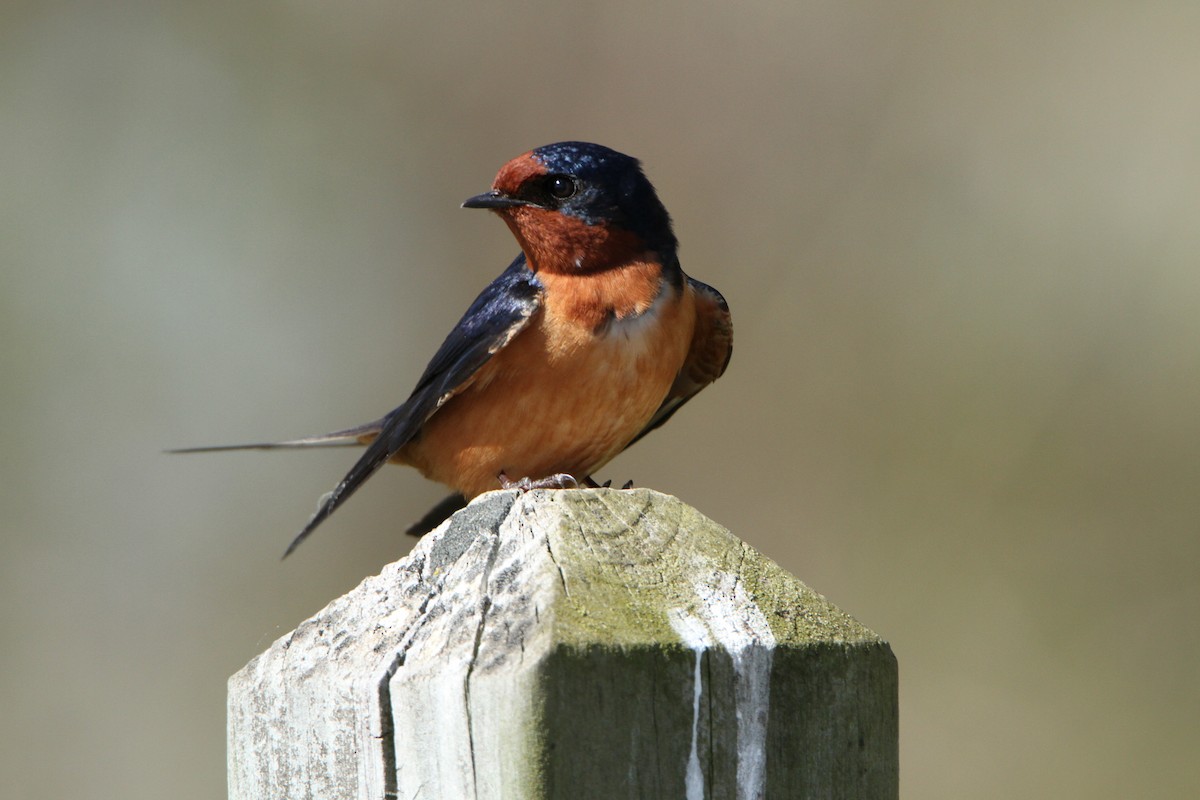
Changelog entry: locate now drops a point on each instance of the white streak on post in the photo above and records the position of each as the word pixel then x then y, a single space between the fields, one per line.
pixel 694 634
pixel 740 627
pixel 730 619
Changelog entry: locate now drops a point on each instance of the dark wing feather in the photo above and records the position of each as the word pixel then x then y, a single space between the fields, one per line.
pixel 712 347
pixel 500 312
pixel 437 515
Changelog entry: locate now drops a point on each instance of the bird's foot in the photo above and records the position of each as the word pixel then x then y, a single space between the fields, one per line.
pixel 559 480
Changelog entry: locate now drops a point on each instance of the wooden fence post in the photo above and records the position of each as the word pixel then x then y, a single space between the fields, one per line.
pixel 571 644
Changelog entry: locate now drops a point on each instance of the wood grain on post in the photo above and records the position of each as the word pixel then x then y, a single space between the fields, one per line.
pixel 571 644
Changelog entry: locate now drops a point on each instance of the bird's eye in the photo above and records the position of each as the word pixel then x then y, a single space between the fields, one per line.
pixel 560 186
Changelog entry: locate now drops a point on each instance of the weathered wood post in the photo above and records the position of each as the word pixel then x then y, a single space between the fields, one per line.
pixel 571 644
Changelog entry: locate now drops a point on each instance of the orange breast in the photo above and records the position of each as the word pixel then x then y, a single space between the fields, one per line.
pixel 563 396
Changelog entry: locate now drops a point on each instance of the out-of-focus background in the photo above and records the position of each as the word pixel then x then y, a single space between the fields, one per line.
pixel 960 243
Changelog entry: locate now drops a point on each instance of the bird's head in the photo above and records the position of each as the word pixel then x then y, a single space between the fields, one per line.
pixel 579 207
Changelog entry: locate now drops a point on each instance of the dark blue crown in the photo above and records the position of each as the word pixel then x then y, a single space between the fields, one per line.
pixel 612 190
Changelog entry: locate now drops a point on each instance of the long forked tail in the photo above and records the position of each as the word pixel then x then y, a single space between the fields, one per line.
pixel 296 444
pixel 383 438
pixel 350 437
pixel 375 457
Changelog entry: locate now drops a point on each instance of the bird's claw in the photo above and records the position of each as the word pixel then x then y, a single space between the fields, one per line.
pixel 560 480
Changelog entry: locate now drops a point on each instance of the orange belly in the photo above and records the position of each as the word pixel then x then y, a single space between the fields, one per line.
pixel 558 398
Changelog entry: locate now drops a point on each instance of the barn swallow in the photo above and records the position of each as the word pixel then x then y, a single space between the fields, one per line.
pixel 593 337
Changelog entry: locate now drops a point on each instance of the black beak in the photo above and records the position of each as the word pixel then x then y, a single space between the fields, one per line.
pixel 493 200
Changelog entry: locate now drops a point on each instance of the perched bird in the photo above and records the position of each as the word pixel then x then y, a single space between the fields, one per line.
pixel 592 338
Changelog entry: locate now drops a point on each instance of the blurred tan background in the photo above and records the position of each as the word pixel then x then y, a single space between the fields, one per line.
pixel 960 244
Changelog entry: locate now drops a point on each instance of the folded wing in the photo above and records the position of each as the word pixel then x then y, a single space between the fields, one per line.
pixel 500 312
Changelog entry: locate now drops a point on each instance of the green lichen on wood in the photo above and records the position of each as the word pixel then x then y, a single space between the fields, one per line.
pixel 625 557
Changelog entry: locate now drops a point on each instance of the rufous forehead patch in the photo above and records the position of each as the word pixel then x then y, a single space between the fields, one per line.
pixel 515 173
